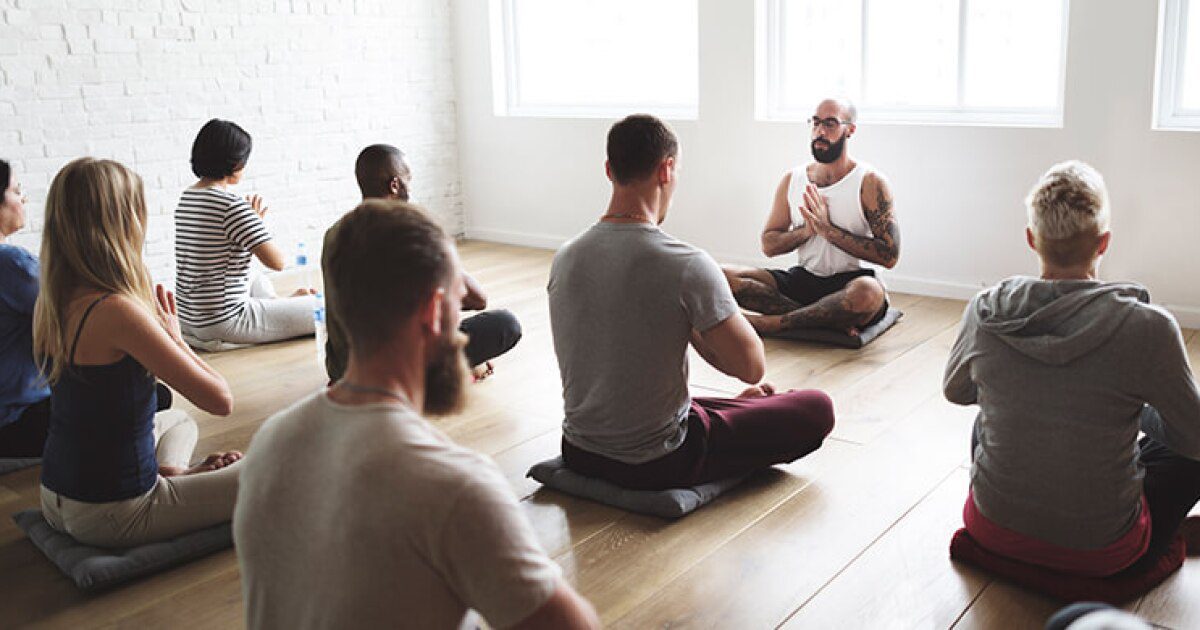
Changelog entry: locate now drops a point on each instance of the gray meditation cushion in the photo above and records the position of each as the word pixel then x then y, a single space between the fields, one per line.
pixel 839 338
pixel 215 345
pixel 93 568
pixel 9 464
pixel 672 503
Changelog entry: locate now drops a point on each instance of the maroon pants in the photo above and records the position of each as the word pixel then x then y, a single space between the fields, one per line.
pixel 727 437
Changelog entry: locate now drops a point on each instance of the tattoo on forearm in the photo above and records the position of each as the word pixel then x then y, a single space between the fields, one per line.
pixel 883 247
pixel 756 296
pixel 883 226
pixel 783 241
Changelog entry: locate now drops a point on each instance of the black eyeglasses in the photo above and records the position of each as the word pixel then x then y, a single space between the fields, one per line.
pixel 828 124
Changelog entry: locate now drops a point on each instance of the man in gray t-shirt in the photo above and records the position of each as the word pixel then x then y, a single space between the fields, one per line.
pixel 626 300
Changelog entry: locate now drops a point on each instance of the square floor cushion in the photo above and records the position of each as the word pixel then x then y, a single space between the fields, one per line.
pixel 94 568
pixel 214 345
pixel 672 503
pixel 839 338
pixel 9 464
pixel 1115 589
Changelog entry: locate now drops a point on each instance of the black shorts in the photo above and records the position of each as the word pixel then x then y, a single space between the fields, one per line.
pixel 804 287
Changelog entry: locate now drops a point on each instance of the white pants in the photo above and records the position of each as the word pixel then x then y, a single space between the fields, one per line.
pixel 174 506
pixel 264 319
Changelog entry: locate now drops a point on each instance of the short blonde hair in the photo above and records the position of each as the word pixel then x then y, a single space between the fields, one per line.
pixel 1069 199
pixel 1068 210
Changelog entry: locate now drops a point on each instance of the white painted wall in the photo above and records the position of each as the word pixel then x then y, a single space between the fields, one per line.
pixel 959 190
pixel 312 81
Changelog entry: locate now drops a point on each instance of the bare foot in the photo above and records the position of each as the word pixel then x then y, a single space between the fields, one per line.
pixel 765 324
pixel 1190 530
pixel 216 461
pixel 302 292
pixel 762 390
pixel 172 471
pixel 482 371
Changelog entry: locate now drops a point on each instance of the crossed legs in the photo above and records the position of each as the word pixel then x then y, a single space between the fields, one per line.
pixel 727 437
pixel 848 309
pixel 182 500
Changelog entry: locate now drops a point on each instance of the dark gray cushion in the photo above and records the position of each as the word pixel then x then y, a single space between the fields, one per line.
pixel 214 345
pixel 9 464
pixel 672 503
pixel 94 567
pixel 839 338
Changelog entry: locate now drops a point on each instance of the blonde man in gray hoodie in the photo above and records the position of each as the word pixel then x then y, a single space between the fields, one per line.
pixel 1066 370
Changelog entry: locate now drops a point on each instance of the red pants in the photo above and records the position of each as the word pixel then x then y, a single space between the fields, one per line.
pixel 727 437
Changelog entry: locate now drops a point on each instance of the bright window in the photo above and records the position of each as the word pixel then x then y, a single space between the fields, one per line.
pixel 592 58
pixel 940 61
pixel 1179 66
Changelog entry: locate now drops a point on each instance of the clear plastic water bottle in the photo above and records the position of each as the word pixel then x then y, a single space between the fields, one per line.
pixel 319 326
pixel 302 264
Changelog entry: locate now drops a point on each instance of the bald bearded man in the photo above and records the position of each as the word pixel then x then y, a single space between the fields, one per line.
pixel 835 213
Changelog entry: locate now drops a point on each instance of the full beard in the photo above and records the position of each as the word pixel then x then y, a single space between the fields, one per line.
pixel 830 154
pixel 446 377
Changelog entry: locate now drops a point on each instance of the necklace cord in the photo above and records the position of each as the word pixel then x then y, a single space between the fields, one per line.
pixel 367 389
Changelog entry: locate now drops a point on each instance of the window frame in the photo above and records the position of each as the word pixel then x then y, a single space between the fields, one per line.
pixel 506 99
pixel 769 77
pixel 1169 112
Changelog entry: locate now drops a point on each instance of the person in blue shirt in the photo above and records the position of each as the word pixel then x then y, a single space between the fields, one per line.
pixel 24 395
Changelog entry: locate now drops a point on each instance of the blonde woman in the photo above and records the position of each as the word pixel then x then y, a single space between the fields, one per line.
pixel 24 396
pixel 116 473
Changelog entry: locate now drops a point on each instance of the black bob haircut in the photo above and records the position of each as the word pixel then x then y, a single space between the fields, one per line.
pixel 220 148
pixel 5 176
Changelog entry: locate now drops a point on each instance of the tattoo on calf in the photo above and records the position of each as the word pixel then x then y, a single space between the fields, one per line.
pixel 761 298
pixel 831 311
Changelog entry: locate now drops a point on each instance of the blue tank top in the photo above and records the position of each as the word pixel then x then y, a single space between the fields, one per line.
pixel 100 446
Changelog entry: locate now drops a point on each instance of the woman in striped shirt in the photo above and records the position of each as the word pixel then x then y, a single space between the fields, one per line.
pixel 216 233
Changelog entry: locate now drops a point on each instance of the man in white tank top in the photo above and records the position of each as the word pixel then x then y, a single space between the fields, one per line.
pixel 834 213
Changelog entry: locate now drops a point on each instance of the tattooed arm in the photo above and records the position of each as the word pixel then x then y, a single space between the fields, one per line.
pixel 883 246
pixel 780 236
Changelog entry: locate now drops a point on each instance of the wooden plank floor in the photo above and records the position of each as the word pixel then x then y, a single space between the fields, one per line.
pixel 853 536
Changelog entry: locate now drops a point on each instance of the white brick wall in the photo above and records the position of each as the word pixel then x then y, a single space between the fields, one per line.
pixel 313 81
